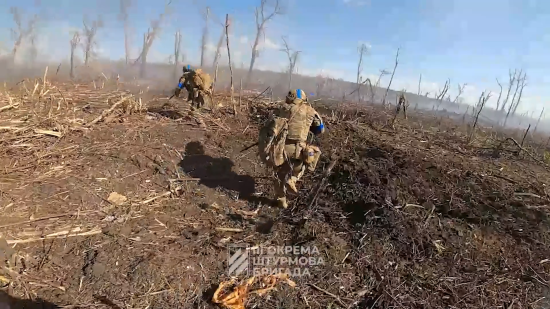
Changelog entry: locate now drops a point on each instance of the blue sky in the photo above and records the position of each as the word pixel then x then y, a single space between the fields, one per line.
pixel 468 41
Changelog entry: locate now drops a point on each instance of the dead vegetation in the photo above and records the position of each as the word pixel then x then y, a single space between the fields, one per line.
pixel 118 198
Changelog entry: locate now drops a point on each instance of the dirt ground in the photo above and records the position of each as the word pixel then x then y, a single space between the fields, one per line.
pixel 409 217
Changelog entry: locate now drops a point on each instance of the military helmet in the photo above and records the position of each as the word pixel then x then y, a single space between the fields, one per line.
pixel 186 68
pixel 296 96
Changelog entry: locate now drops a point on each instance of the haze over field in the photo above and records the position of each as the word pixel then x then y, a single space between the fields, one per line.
pixel 470 43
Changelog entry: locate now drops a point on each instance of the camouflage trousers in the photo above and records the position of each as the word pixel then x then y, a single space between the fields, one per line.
pixel 287 175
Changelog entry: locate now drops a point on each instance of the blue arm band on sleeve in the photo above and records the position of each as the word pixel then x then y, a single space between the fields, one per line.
pixel 180 85
pixel 318 130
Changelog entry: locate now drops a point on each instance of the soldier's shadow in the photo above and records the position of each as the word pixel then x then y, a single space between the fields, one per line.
pixel 218 173
pixel 9 302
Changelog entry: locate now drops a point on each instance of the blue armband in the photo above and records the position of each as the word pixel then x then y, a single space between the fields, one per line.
pixel 317 129
pixel 180 85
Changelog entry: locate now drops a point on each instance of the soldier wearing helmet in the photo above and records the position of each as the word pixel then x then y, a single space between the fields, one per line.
pixel 186 81
pixel 298 119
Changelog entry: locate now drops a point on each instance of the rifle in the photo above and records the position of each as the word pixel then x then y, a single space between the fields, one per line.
pixel 248 147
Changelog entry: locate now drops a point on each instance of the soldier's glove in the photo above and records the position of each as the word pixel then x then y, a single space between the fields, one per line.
pixel 177 92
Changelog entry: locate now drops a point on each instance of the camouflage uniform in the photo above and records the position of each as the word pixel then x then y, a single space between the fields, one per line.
pixel 299 155
pixel 186 81
pixel 194 81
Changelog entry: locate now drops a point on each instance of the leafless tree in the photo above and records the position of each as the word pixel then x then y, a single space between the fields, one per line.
pixel 520 84
pixel 218 53
pixel 33 51
pixel 19 33
pixel 90 32
pixel 292 59
pixel 177 50
pixel 392 74
pixel 512 80
pixel 362 51
pixel 382 74
pixel 460 91
pixel 499 94
pixel 124 6
pixel 523 84
pixel 227 25
pixel 149 38
pixel 204 39
pixel 219 45
pixel 74 43
pixel 261 19
pixel 479 107
pixel 439 96
pixel 517 79
pixel 538 121
pixel 419 81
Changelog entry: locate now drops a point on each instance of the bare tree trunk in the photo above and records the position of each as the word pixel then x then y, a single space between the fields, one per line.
pixel 362 50
pixel 441 95
pixel 74 43
pixel 219 48
pixel 516 91
pixel 419 81
pixel 227 23
pixel 480 106
pixel 292 58
pixel 19 32
pixel 144 52
pixel 512 79
pixel 523 139
pixel 261 20
pixel 523 84
pixel 204 36
pixel 392 74
pixel 499 94
pixel 511 106
pixel 241 96
pixel 124 5
pixel 253 57
pixel 460 91
pixel 90 33
pixel 538 121
pixel 177 48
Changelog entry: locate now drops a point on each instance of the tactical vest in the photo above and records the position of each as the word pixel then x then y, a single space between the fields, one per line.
pixel 298 126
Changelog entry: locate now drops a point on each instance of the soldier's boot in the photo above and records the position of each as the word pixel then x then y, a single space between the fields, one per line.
pixel 291 184
pixel 281 202
pixel 280 193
